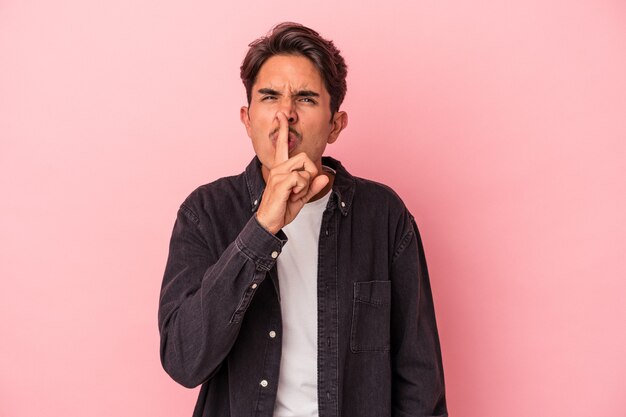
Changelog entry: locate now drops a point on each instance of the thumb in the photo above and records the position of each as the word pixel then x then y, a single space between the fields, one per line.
pixel 316 186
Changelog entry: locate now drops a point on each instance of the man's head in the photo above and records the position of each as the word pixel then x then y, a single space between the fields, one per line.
pixel 296 73
pixel 294 39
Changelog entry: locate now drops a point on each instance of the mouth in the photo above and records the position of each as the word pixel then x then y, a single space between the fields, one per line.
pixel 293 139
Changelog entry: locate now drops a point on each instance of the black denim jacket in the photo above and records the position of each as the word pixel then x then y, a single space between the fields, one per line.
pixel 220 318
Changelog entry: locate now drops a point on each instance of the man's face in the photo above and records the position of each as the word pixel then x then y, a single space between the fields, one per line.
pixel 293 85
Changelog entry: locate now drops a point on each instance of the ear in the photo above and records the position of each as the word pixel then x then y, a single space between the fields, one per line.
pixel 244 116
pixel 339 123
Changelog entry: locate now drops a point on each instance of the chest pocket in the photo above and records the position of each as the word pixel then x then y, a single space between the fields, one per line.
pixel 371 312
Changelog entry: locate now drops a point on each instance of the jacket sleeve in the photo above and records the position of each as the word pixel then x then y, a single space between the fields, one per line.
pixel 417 383
pixel 203 300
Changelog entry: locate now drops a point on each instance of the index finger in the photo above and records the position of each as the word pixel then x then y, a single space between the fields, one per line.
pixel 282 141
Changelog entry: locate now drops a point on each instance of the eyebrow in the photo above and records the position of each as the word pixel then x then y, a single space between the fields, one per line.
pixel 269 92
pixel 300 93
pixel 306 93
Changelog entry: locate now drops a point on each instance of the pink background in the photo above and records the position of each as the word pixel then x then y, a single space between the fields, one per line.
pixel 502 125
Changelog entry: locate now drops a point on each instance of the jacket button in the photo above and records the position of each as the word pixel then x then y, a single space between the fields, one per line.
pixel 264 383
pixel 274 255
pixel 272 334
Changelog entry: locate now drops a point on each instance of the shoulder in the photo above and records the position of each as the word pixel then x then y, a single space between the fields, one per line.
pixel 218 194
pixel 379 206
pixel 362 190
pixel 378 197
pixel 372 202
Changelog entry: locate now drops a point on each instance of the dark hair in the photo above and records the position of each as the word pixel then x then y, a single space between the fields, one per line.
pixel 295 39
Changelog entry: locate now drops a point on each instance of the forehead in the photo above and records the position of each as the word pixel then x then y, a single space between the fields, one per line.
pixel 290 71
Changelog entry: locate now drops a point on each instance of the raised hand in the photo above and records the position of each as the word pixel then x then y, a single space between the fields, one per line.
pixel 291 183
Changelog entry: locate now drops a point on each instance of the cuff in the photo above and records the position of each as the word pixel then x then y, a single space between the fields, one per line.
pixel 260 245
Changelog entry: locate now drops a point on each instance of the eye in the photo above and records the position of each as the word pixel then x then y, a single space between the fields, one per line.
pixel 307 100
pixel 268 98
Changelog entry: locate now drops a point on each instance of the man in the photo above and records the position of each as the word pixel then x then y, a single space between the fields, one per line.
pixel 294 288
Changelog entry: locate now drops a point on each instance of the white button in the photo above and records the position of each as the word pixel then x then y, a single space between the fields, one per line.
pixel 264 383
pixel 343 204
pixel 274 255
pixel 256 202
pixel 254 286
pixel 272 334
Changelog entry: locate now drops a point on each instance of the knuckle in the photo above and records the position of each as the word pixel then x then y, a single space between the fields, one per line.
pixel 302 156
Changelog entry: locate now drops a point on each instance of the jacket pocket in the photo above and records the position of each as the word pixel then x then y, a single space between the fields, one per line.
pixel 371 312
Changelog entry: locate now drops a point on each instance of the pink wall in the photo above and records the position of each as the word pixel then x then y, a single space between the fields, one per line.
pixel 502 124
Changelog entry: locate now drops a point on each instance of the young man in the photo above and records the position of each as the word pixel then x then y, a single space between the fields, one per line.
pixel 294 288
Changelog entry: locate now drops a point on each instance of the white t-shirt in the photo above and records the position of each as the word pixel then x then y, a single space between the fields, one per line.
pixel 297 277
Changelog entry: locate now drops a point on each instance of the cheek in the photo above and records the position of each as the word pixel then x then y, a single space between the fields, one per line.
pixel 256 127
pixel 319 132
pixel 261 122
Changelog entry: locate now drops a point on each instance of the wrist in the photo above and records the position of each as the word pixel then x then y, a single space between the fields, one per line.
pixel 265 225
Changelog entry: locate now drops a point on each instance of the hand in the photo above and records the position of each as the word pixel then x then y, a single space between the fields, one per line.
pixel 291 183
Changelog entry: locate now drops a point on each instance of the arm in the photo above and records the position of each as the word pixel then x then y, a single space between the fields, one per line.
pixel 202 300
pixel 418 384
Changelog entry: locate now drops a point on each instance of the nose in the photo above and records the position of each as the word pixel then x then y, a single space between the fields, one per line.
pixel 289 108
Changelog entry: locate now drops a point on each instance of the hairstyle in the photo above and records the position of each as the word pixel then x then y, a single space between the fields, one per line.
pixel 289 38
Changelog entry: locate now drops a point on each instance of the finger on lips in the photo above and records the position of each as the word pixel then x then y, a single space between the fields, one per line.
pixel 281 156
pixel 298 174
pixel 282 141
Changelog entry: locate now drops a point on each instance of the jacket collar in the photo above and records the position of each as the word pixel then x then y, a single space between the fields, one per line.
pixel 342 193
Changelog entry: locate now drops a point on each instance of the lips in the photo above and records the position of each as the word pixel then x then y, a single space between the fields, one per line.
pixel 293 139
